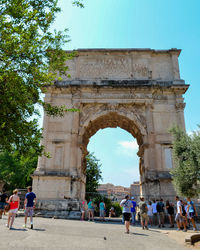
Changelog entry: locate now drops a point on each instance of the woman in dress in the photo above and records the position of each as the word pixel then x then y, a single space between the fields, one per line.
pixel 14 202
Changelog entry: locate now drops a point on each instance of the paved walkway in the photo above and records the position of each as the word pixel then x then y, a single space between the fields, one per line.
pixel 67 234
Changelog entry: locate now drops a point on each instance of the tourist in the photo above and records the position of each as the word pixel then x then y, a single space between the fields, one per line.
pixel 126 204
pixel 133 210
pixel 102 207
pixel 192 212
pixel 160 209
pixel 3 202
pixel 155 216
pixel 111 212
pixel 90 210
pixel 180 215
pixel 143 213
pixel 14 202
pixel 150 213
pixel 29 205
pixel 83 209
pixel 170 212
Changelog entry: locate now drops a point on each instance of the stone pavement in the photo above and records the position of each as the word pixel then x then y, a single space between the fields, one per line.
pixel 70 234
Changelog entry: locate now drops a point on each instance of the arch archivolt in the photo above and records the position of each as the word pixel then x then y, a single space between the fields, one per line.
pixel 99 116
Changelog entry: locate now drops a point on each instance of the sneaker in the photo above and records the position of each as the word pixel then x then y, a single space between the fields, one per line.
pixel 184 230
pixel 24 226
pixel 88 220
pixel 143 228
pixel 194 229
pixel 31 226
pixel 158 225
pixel 163 225
pixel 7 225
pixel 146 228
pixel 178 229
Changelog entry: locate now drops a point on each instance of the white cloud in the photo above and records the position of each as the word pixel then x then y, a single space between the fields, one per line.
pixel 130 145
pixel 128 148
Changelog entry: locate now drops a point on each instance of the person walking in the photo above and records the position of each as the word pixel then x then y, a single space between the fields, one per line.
pixel 126 204
pixel 192 212
pixel 29 205
pixel 143 213
pixel 90 210
pixel 3 202
pixel 180 215
pixel 14 202
pixel 160 209
pixel 155 216
pixel 102 208
pixel 170 212
pixel 133 210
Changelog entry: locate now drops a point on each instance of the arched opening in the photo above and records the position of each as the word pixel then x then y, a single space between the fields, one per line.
pixel 112 120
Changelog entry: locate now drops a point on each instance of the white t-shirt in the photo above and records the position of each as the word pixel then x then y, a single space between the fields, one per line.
pixel 179 207
pixel 150 210
pixel 127 205
pixel 154 207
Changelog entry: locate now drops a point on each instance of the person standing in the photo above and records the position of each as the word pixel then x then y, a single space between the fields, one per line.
pixel 90 210
pixel 160 209
pixel 192 212
pixel 143 213
pixel 155 216
pixel 102 207
pixel 150 213
pixel 133 210
pixel 83 209
pixel 180 216
pixel 29 205
pixel 3 202
pixel 170 211
pixel 126 204
pixel 14 202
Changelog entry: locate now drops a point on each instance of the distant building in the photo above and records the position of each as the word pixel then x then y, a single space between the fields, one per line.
pixel 135 189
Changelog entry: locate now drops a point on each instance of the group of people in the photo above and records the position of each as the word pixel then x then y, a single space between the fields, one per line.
pixel 87 209
pixel 153 212
pixel 12 204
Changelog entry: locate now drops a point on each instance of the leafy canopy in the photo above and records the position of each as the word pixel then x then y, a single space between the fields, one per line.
pixel 31 56
pixel 186 152
pixel 93 175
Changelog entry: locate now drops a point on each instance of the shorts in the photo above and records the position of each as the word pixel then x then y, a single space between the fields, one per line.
pixel 191 215
pixel 144 217
pixel 2 205
pixel 179 218
pixel 29 211
pixel 161 215
pixel 101 213
pixel 13 211
pixel 91 210
pixel 126 216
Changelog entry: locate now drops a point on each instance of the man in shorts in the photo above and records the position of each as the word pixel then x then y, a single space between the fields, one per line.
pixel 180 217
pixel 3 202
pixel 29 205
pixel 143 213
pixel 127 205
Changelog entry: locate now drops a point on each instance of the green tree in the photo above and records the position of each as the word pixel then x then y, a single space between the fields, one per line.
pixel 93 175
pixel 16 169
pixel 31 57
pixel 186 154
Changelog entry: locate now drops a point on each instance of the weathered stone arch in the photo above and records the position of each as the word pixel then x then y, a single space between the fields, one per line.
pixel 110 119
pixel 135 89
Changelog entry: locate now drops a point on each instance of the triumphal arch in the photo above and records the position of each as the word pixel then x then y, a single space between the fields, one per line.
pixel 139 90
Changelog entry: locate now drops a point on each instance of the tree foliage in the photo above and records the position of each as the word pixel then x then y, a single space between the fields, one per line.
pixel 93 175
pixel 31 56
pixel 186 152
pixel 16 169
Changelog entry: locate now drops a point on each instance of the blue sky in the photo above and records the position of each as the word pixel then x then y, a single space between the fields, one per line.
pixel 156 24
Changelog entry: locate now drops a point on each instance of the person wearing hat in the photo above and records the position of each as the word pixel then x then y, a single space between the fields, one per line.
pixel 133 210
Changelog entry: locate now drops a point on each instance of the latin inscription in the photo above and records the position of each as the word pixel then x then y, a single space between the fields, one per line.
pixel 112 67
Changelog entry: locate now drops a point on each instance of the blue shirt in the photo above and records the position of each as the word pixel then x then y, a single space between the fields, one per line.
pixel 134 205
pixel 30 198
pixel 191 207
pixel 90 205
pixel 101 206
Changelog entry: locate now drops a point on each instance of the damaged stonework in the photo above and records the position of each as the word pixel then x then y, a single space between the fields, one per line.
pixel 138 90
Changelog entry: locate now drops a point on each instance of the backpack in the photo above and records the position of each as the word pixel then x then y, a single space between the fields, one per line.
pixel 183 210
